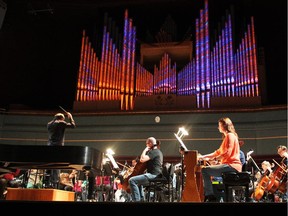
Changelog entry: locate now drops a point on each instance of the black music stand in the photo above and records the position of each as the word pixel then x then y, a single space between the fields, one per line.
pixel 107 169
pixel 182 149
pixel 254 169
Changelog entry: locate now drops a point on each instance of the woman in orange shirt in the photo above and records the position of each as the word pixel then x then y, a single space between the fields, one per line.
pixel 228 155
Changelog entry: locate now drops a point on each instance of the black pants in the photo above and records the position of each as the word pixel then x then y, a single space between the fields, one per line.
pixel 91 187
pixel 54 176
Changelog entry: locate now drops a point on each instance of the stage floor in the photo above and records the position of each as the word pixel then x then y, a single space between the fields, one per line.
pixel 119 208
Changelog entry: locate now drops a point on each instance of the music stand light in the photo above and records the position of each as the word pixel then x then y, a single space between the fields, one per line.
pixel 180 134
pixel 109 154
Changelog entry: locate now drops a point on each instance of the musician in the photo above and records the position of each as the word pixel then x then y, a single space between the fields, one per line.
pixel 227 155
pixel 266 169
pixel 262 180
pixel 242 156
pixel 56 137
pixel 103 187
pixel 35 178
pixel 56 129
pixel 7 180
pixel 3 186
pixel 282 151
pixel 90 176
pixel 79 184
pixel 122 195
pixel 66 182
pixel 152 156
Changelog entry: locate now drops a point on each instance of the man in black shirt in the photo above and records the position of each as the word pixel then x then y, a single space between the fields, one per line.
pixel 56 137
pixel 153 158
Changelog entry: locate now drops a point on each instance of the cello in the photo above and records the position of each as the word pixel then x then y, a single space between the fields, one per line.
pixel 137 170
pixel 263 183
pixel 260 189
pixel 277 177
pixel 283 185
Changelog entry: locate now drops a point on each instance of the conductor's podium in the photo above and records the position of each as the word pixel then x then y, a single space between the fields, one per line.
pixel 39 194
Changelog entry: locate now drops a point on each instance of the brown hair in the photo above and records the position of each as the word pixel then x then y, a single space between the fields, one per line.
pixel 227 125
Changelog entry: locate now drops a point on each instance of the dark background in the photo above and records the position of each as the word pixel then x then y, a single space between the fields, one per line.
pixel 40 41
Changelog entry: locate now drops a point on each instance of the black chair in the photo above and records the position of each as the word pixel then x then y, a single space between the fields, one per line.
pixel 236 186
pixel 160 189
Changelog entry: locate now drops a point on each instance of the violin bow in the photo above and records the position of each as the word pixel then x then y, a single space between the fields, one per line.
pixel 280 166
pixel 123 165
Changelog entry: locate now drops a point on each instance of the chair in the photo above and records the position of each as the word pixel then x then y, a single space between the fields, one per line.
pixel 160 189
pixel 236 186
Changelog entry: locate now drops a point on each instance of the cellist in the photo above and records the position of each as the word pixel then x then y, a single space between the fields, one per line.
pixel 153 157
pixel 282 151
pixel 262 181
pixel 278 178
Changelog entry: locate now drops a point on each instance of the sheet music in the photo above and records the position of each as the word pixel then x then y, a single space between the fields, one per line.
pixel 115 165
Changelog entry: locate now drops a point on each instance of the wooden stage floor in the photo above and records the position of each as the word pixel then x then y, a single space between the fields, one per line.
pixel 119 208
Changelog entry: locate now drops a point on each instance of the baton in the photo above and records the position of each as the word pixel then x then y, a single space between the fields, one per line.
pixel 63 109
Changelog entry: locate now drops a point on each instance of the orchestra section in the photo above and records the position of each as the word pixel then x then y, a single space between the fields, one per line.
pixel 97 177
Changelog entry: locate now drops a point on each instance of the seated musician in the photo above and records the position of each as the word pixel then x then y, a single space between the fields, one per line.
pixel 90 177
pixel 282 151
pixel 266 169
pixel 65 182
pixel 122 195
pixel 35 178
pixel 228 155
pixel 259 185
pixel 7 180
pixel 153 157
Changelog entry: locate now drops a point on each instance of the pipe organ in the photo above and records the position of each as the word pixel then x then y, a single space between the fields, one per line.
pixel 219 70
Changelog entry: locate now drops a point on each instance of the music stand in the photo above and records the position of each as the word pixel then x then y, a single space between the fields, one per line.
pixel 254 165
pixel 180 134
pixel 114 167
pixel 107 169
pixel 181 142
pixel 254 169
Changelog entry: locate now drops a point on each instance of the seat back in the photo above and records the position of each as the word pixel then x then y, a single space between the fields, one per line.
pixel 168 171
pixel 162 184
